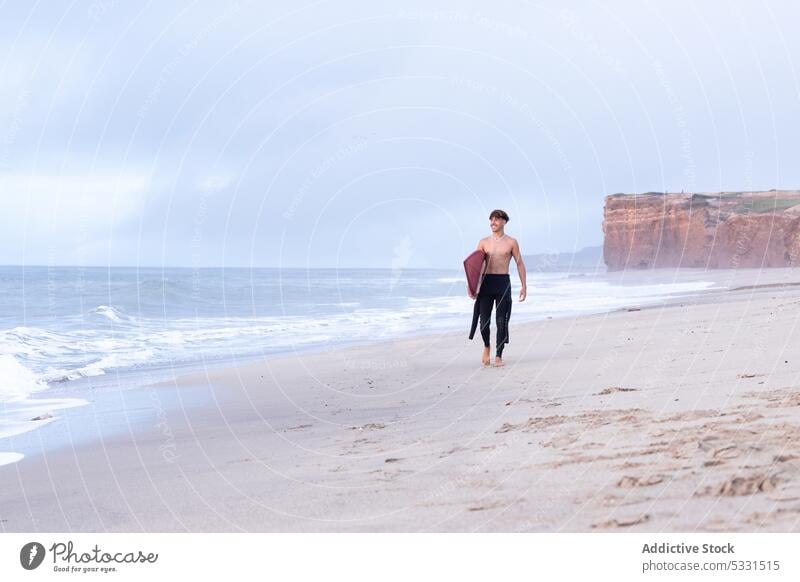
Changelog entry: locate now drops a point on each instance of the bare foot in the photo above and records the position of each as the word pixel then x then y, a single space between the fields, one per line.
pixel 498 361
pixel 485 358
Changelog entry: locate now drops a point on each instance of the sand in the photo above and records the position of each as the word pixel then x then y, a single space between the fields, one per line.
pixel 672 418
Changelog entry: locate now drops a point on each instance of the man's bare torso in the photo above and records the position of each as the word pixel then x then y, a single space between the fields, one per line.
pixel 499 253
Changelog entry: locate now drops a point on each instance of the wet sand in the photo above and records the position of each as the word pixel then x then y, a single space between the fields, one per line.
pixel 684 417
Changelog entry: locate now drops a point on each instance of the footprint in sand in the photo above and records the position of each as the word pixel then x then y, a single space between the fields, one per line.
pixel 590 419
pixel 457 449
pixel 560 442
pixel 520 400
pixel 620 501
pixel 622 522
pixel 533 424
pixel 737 486
pixel 730 452
pixel 486 506
pixel 689 415
pixel 369 426
pixel 784 458
pixel 640 481
pixel 299 427
pixel 613 389
pixel 784 398
pixel 629 465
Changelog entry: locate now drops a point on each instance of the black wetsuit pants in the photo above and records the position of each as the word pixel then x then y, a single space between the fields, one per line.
pixel 495 289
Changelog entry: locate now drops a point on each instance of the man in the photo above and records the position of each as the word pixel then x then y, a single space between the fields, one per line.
pixel 496 285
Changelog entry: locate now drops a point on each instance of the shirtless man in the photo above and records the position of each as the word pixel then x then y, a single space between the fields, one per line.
pixel 496 285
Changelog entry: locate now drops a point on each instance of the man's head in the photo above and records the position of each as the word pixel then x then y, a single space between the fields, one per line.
pixel 498 219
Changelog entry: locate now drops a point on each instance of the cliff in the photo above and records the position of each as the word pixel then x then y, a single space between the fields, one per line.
pixel 718 231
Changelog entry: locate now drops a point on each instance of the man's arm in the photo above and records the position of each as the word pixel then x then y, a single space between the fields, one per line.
pixel 523 292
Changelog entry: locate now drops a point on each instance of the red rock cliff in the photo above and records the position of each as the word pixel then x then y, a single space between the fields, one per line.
pixel 718 231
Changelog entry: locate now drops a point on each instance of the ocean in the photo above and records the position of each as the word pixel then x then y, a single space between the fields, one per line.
pixel 73 326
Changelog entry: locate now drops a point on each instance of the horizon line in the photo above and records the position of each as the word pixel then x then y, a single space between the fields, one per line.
pixel 72 266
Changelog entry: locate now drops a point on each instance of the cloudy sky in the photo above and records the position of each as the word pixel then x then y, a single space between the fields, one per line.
pixel 341 134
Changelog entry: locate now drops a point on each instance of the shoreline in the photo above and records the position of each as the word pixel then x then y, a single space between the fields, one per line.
pixel 645 418
pixel 86 389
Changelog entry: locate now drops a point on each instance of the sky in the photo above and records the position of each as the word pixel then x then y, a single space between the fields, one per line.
pixel 359 134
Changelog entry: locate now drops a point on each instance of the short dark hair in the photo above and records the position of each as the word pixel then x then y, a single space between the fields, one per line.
pixel 499 214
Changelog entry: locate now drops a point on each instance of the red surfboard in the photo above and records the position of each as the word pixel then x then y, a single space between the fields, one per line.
pixel 474 266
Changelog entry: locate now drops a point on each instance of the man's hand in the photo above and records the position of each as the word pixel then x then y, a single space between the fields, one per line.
pixel 523 293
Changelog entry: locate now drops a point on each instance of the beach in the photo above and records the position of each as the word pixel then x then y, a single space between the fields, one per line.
pixel 676 417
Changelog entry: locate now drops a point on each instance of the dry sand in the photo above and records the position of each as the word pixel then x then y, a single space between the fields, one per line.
pixel 676 418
